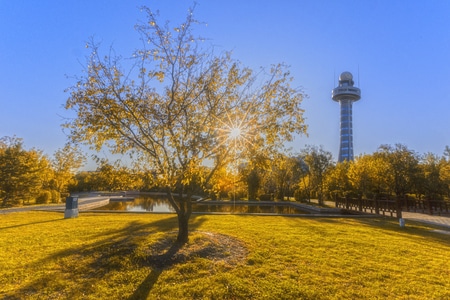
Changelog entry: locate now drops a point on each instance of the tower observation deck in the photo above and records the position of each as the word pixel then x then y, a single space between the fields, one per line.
pixel 346 94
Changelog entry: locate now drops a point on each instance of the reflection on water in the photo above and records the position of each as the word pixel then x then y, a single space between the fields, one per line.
pixel 161 204
pixel 248 208
pixel 139 204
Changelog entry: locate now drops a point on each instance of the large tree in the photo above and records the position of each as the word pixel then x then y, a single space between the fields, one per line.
pixel 403 168
pixel 444 172
pixel 179 106
pixel 337 183
pixel 65 163
pixel 20 172
pixel 285 173
pixel 115 177
pixel 429 182
pixel 318 162
pixel 369 176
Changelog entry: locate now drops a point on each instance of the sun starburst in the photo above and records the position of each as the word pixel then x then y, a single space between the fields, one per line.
pixel 236 131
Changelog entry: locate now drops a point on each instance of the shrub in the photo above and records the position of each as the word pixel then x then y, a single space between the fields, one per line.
pixel 64 196
pixel 56 196
pixel 44 197
pixel 266 197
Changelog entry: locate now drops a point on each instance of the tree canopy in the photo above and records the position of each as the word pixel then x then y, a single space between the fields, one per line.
pixel 20 172
pixel 178 106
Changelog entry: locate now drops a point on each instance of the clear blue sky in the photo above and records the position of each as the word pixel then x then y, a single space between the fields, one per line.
pixel 401 49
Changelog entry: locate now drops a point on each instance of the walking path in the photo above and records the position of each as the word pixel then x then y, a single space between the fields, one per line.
pixel 83 204
pixel 443 220
pixel 5 211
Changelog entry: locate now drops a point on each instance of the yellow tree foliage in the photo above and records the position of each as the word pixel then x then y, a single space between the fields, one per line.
pixel 180 106
pixel 22 172
pixel 65 163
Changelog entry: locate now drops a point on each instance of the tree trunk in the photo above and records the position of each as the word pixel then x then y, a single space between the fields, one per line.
pixel 399 206
pixel 183 228
pixel 320 198
pixel 183 208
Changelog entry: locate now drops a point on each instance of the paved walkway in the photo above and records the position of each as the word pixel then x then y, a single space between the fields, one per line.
pixel 4 211
pixel 443 220
pixel 83 204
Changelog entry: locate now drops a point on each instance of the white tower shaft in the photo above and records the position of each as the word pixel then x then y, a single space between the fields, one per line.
pixel 346 94
pixel 346 143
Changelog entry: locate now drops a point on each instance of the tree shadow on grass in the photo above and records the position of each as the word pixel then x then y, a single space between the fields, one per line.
pixel 159 263
pixel 144 289
pixel 31 223
pixel 96 268
pixel 221 251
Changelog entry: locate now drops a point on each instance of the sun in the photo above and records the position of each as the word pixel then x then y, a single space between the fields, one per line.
pixel 236 130
pixel 235 133
pixel 238 134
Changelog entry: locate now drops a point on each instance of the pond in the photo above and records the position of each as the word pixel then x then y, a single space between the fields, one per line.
pixel 160 204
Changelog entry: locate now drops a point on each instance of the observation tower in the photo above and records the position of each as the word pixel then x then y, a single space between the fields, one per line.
pixel 346 94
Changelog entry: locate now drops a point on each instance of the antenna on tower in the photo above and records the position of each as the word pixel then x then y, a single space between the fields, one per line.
pixel 334 77
pixel 359 84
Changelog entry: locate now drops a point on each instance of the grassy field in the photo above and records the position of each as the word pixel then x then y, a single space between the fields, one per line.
pixel 105 256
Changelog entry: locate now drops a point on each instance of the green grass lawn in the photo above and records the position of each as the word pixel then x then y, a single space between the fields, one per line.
pixel 105 256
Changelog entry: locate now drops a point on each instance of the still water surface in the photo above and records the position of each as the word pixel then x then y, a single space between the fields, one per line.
pixel 161 204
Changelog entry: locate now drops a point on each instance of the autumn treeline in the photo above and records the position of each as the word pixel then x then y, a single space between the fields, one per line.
pixel 29 176
pixel 390 172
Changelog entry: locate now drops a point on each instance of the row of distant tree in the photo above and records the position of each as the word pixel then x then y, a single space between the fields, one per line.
pixel 29 176
pixel 390 172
